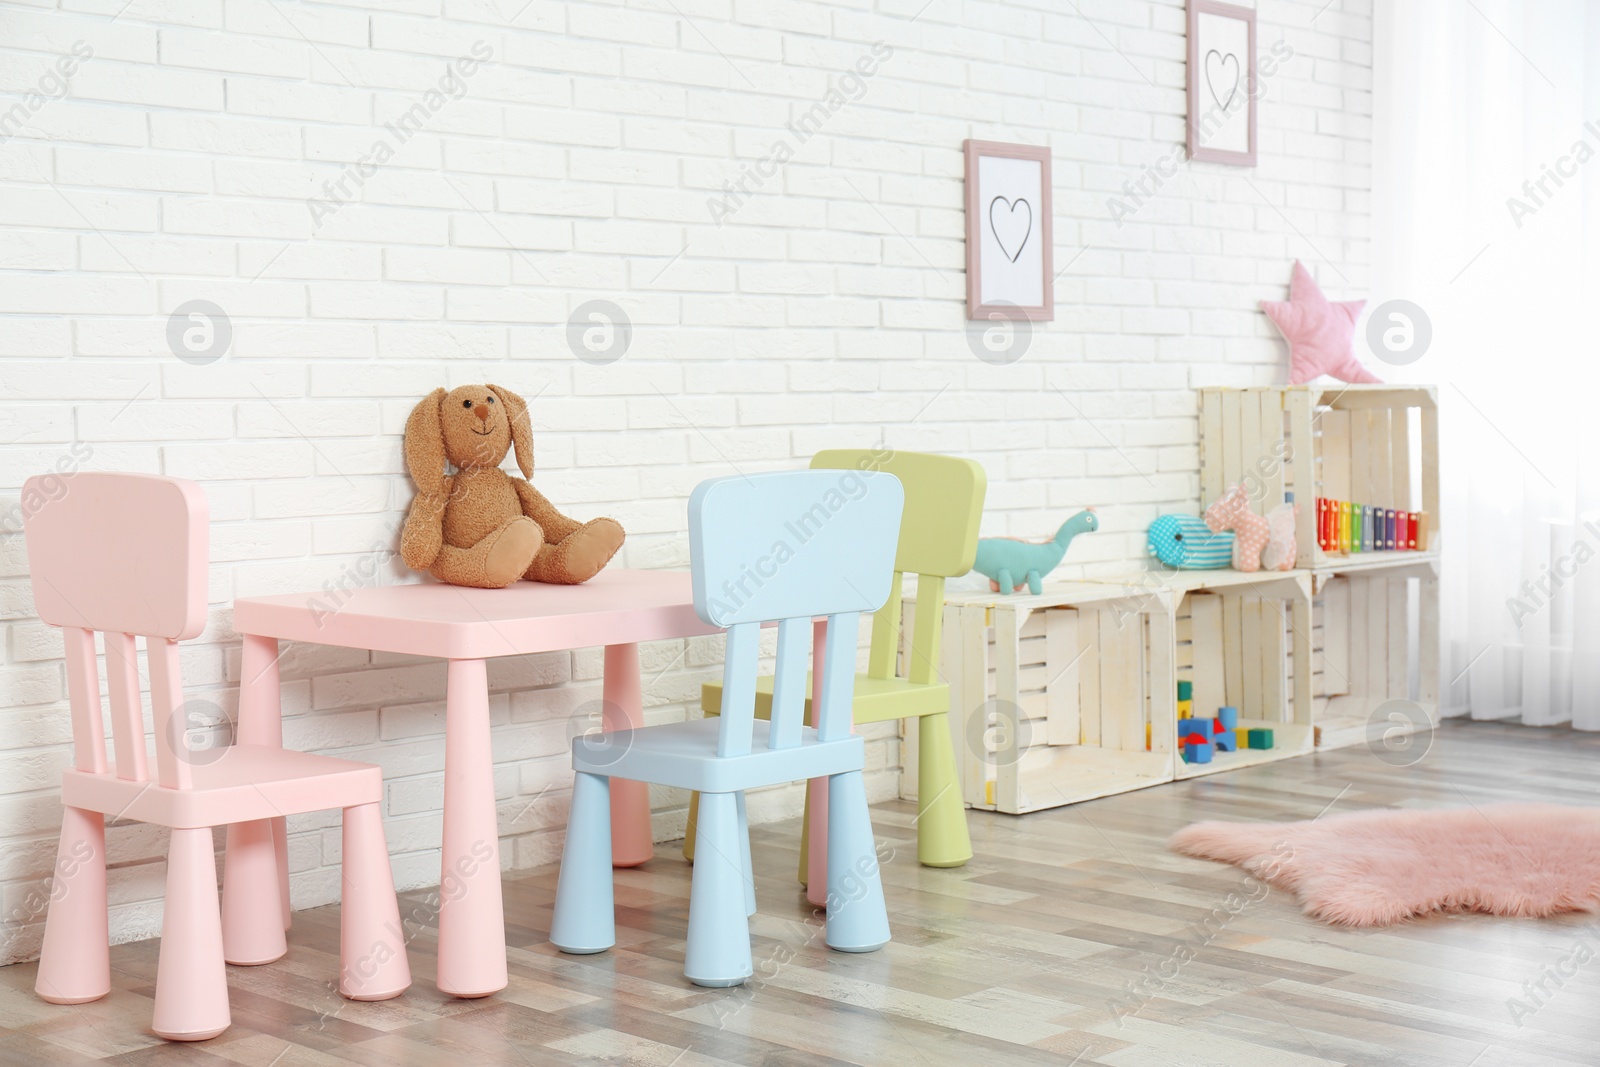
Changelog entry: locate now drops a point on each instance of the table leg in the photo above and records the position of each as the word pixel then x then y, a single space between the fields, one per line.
pixel 816 827
pixel 472 924
pixel 256 881
pixel 623 704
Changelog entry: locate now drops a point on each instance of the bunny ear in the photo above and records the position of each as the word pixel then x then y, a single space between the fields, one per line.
pixel 424 447
pixel 521 428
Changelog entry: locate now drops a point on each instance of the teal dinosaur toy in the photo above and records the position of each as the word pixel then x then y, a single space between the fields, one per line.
pixel 1004 559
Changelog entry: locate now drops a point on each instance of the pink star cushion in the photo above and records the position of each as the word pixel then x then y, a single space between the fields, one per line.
pixel 1319 332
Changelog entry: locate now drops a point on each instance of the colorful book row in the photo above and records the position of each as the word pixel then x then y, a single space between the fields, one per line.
pixel 1349 528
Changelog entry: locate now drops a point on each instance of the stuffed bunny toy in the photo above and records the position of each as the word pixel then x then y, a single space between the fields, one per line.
pixel 481 527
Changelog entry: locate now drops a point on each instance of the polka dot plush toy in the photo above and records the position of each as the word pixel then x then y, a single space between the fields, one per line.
pixel 1251 532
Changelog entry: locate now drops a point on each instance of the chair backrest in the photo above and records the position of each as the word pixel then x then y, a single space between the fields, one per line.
pixel 938 540
pixel 787 547
pixel 124 554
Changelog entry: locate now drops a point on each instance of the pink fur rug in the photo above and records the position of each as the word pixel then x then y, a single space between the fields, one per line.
pixel 1375 868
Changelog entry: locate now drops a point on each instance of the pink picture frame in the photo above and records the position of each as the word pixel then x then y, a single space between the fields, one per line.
pixel 997 206
pixel 1217 77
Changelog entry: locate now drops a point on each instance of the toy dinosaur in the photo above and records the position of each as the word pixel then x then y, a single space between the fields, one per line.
pixel 1004 559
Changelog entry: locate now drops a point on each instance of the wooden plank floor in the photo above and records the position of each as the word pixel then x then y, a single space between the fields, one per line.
pixel 1073 937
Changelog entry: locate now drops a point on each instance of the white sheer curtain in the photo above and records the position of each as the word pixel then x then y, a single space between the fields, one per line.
pixel 1478 103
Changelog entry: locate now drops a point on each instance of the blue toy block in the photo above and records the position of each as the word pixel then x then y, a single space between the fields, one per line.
pixel 1194 726
pixel 1197 753
pixel 1227 741
pixel 1229 716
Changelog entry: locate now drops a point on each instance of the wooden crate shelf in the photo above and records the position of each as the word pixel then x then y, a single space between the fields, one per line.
pixel 1051 694
pixel 1371 444
pixel 1364 647
pixel 1245 640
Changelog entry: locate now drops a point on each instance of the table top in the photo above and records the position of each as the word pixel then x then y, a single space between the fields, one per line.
pixel 433 619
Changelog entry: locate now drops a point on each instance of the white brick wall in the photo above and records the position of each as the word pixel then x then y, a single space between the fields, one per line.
pixel 180 159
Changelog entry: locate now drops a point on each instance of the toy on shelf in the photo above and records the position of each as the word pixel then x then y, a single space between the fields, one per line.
pixel 1346 528
pixel 1185 718
pixel 1232 512
pixel 1201 739
pixel 1186 543
pixel 1320 331
pixel 1281 551
pixel 480 527
pixel 1003 560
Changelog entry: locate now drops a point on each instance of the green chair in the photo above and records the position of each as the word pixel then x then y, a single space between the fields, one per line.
pixel 938 540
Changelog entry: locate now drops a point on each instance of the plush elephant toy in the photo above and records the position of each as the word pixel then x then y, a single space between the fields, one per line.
pixel 481 527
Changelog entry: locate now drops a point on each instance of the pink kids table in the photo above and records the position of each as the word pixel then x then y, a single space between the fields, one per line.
pixel 617 609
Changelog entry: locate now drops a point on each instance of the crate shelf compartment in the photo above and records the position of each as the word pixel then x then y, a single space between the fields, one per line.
pixel 1364 646
pixel 1370 444
pixel 1245 640
pixel 1052 693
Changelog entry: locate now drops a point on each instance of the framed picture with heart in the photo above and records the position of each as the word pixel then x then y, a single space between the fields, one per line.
pixel 1009 240
pixel 1222 83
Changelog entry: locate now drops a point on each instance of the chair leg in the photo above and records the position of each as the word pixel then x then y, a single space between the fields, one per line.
pixel 75 966
pixel 691 826
pixel 191 980
pixel 719 927
pixel 942 839
pixel 372 943
pixel 857 918
pixel 745 867
pixel 251 896
pixel 585 919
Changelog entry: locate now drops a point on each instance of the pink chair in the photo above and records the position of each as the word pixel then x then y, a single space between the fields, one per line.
pixel 126 554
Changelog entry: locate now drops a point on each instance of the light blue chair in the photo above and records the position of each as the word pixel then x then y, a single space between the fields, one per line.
pixel 785 547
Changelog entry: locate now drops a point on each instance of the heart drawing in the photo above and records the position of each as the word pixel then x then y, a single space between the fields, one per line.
pixel 1217 66
pixel 1010 226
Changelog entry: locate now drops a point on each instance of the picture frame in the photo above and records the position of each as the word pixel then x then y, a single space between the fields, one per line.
pixel 1222 83
pixel 1010 233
